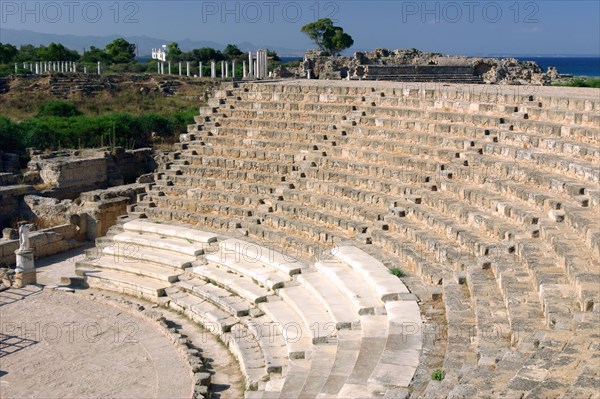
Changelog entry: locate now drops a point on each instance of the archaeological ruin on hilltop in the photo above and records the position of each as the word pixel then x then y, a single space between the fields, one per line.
pixel 373 239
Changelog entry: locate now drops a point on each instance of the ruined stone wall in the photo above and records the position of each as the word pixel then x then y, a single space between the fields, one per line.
pixel 70 85
pixel 11 198
pixel 490 70
pixel 102 208
pixel 9 168
pixel 45 242
pixel 9 163
pixel 94 211
pixel 66 174
pixel 379 70
pixel 133 163
pixel 82 173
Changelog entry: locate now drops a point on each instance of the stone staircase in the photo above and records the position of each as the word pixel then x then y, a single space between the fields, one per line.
pixel 486 198
pixel 296 331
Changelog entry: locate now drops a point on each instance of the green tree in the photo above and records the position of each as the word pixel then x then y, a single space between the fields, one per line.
pixel 121 51
pixel 56 52
pixel 330 39
pixel 95 54
pixel 232 52
pixel 27 52
pixel 174 53
pixel 204 54
pixel 8 53
pixel 273 55
pixel 336 40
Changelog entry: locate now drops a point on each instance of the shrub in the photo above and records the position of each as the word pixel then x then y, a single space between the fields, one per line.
pixel 114 129
pixel 397 272
pixel 437 375
pixel 581 82
pixel 58 108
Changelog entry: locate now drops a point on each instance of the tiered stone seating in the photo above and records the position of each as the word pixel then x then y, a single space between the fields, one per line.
pixel 292 328
pixel 486 197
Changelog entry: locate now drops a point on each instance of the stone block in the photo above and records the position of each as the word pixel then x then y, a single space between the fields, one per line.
pixel 10 234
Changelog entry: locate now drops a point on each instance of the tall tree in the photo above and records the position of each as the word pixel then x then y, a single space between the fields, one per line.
pixel 27 52
pixel 336 40
pixel 232 52
pixel 8 53
pixel 121 51
pixel 204 54
pixel 56 52
pixel 330 39
pixel 272 54
pixel 174 53
pixel 95 54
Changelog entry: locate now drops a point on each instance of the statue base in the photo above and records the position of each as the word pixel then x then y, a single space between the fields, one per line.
pixel 23 279
pixel 25 272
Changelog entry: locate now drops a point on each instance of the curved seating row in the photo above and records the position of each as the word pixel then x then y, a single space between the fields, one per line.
pixel 296 330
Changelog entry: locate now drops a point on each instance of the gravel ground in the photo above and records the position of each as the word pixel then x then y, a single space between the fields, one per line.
pixel 62 345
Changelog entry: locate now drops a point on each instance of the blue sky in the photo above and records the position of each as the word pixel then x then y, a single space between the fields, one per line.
pixel 452 27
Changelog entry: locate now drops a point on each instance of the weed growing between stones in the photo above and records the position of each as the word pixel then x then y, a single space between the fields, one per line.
pixel 437 375
pixel 396 271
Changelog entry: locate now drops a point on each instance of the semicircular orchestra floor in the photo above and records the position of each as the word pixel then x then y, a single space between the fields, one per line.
pixel 59 345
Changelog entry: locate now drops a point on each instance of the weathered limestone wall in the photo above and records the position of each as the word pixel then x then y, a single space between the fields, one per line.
pixel 74 222
pixel 94 211
pixel 11 198
pixel 44 242
pixel 66 174
pixel 73 173
pixel 9 163
pixel 103 207
pixel 377 70
pixel 490 70
pixel 9 168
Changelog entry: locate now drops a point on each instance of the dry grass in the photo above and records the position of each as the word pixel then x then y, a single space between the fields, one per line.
pixel 22 101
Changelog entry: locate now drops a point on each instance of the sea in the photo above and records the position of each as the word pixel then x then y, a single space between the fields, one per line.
pixel 576 66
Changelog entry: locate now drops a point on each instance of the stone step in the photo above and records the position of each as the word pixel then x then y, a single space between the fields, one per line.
pixel 185 233
pixel 126 283
pixel 224 299
pixel 317 319
pixel 348 349
pixel 213 319
pixel 297 374
pixel 352 285
pixel 156 272
pixel 360 383
pixel 337 304
pixel 236 283
pixel 400 357
pixel 161 242
pixel 298 337
pixel 284 263
pixel 72 281
pixel 263 330
pixel 125 252
pixel 263 275
pixel 374 272
pixel 249 356
pixel 321 365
